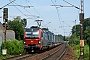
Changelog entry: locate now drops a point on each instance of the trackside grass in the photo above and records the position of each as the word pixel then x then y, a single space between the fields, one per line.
pixel 86 52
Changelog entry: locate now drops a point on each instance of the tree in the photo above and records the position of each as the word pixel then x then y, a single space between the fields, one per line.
pixel 44 28
pixel 77 31
pixel 17 26
pixel 62 37
pixel 86 26
pixel 18 18
pixel 86 23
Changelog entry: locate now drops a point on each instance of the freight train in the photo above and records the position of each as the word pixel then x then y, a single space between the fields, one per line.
pixel 37 39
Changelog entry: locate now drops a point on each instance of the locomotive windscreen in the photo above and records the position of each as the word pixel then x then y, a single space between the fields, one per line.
pixel 32 33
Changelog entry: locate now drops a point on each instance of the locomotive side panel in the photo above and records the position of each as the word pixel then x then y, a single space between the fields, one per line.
pixel 45 39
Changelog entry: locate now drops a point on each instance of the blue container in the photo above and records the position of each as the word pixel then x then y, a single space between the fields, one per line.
pixel 45 37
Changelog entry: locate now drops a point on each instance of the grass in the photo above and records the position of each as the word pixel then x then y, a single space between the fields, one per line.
pixel 3 57
pixel 86 52
pixel 77 51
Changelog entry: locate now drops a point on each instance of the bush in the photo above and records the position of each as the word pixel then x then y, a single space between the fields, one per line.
pixel 14 47
pixel 86 52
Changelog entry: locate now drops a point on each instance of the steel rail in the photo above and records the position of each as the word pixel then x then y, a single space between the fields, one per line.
pixel 20 57
pixel 61 55
pixel 50 55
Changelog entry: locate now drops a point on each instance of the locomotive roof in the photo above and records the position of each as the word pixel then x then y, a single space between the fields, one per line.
pixel 34 27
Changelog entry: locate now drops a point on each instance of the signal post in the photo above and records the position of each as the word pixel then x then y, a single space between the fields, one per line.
pixel 5 20
pixel 81 16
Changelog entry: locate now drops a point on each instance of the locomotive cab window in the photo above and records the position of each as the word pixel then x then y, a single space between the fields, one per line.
pixel 32 33
pixel 36 33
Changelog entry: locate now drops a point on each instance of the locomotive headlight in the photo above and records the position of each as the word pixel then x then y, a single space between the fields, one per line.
pixel 39 42
pixel 24 42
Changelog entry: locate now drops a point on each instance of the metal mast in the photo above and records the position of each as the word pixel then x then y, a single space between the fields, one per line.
pixel 81 16
pixel 81 31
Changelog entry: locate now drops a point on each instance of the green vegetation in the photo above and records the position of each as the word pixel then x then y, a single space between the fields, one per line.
pixel 86 52
pixel 74 40
pixel 3 57
pixel 18 26
pixel 14 47
pixel 44 28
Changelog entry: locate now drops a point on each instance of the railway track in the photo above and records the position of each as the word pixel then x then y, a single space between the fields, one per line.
pixel 57 55
pixel 52 54
pixel 20 57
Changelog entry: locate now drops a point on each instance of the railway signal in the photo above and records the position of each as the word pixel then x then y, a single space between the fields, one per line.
pixel 5 14
pixel 6 25
pixel 5 19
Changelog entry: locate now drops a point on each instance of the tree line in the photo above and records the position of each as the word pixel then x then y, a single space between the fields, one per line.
pixel 86 30
pixel 17 25
pixel 86 33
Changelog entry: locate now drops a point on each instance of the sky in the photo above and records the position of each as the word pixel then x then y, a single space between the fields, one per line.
pixel 59 20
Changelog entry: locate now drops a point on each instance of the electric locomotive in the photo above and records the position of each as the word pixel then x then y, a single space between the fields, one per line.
pixel 37 39
pixel 32 39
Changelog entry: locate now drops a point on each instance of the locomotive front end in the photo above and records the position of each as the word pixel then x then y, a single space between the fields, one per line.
pixel 32 39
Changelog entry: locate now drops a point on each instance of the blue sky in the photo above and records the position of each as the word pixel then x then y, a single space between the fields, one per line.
pixel 42 8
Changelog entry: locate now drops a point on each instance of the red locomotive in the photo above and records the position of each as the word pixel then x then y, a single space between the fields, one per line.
pixel 32 39
pixel 36 39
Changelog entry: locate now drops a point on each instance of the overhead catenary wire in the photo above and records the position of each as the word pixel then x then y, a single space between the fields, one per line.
pixel 59 17
pixel 27 11
pixel 19 10
pixel 57 12
pixel 38 12
pixel 55 0
pixel 35 9
pixel 66 24
pixel 68 3
pixel 71 4
pixel 7 4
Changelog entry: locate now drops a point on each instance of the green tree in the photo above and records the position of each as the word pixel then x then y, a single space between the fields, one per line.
pixel 62 37
pixel 75 37
pixel 77 30
pixel 87 37
pixel 86 23
pixel 86 30
pixel 44 28
pixel 86 26
pixel 17 26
